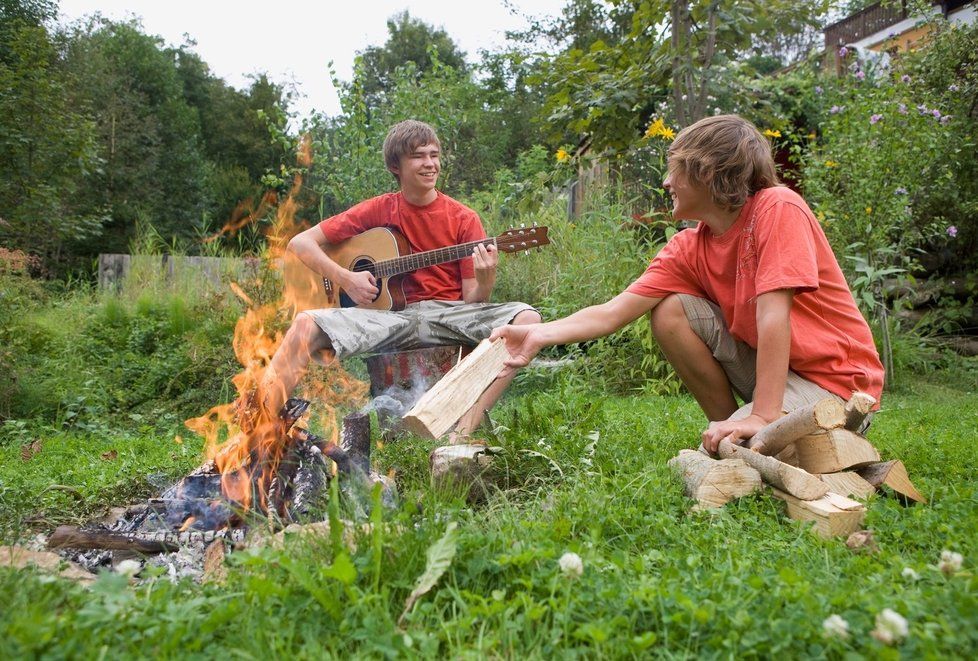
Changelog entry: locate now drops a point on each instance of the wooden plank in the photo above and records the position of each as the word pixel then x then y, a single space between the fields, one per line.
pixel 848 483
pixel 829 519
pixel 833 451
pixel 778 474
pixel 712 482
pixel 894 475
pixel 448 400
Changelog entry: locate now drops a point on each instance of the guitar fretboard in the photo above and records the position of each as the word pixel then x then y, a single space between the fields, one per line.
pixel 419 260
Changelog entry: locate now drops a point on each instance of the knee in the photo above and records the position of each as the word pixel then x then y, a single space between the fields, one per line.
pixel 668 316
pixel 527 317
pixel 305 334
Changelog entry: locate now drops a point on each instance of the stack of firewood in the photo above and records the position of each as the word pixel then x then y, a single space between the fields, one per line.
pixel 812 458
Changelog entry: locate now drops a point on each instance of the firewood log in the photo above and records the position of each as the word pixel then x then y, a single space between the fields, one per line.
pixel 712 482
pixel 144 542
pixel 894 475
pixel 441 407
pixel 824 414
pixel 464 467
pixel 848 483
pixel 833 515
pixel 793 480
pixel 833 451
pixel 857 408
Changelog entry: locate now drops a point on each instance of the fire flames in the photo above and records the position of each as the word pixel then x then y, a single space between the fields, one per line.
pixel 244 439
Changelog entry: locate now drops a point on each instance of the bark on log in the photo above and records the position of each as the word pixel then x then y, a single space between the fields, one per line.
pixel 894 475
pixel 848 483
pixel 143 542
pixel 787 478
pixel 857 408
pixel 462 467
pixel 355 440
pixel 824 414
pixel 833 451
pixel 712 482
pixel 441 407
pixel 833 515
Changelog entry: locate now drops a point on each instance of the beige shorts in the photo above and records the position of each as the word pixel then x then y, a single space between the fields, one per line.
pixel 739 360
pixel 355 331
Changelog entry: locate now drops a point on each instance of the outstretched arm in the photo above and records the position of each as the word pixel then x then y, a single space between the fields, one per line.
pixel 310 247
pixel 525 341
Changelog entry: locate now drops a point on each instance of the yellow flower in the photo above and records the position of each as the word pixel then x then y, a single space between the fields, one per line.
pixel 562 155
pixel 772 134
pixel 811 136
pixel 869 210
pixel 831 164
pixel 658 128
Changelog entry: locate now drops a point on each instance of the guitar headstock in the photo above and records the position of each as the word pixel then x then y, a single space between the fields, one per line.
pixel 522 238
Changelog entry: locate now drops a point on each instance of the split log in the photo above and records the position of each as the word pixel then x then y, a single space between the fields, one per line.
pixel 833 515
pixel 857 408
pixel 824 414
pixel 143 542
pixel 463 467
pixel 776 473
pixel 894 475
pixel 19 557
pixel 441 407
pixel 355 440
pixel 848 483
pixel 833 451
pixel 712 482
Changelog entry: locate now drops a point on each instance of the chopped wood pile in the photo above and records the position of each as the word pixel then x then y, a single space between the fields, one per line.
pixel 813 458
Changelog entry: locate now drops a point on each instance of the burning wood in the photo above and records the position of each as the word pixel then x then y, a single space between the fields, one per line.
pixel 143 542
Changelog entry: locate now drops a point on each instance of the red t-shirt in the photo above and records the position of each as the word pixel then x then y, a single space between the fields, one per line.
pixel 445 222
pixel 775 243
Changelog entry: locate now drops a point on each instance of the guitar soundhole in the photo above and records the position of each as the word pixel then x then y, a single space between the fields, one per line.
pixel 362 264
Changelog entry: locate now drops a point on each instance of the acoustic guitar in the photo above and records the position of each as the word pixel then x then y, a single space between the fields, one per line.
pixel 385 253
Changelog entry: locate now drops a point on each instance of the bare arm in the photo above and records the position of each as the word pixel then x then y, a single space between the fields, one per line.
pixel 310 247
pixel 773 348
pixel 525 341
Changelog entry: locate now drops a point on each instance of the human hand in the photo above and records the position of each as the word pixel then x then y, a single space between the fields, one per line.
pixel 361 286
pixel 522 343
pixel 485 258
pixel 732 430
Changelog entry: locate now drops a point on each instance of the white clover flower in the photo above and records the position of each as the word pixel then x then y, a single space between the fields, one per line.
pixel 909 574
pixel 891 627
pixel 571 564
pixel 950 562
pixel 835 626
pixel 129 568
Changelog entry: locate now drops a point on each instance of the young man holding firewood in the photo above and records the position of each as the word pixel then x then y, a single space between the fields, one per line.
pixel 446 303
pixel 751 300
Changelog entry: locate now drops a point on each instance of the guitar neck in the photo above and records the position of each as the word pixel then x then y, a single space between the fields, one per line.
pixel 419 260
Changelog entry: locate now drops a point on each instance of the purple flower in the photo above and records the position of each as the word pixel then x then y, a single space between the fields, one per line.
pixel 936 113
pixel 843 51
pixel 818 89
pixel 836 109
pixel 875 118
pixel 904 78
pixel 902 109
pixel 945 119
pixel 922 109
pixel 860 74
pixel 901 191
pixel 952 231
pixel 952 88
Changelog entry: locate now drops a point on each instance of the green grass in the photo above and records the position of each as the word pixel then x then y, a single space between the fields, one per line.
pixel 582 472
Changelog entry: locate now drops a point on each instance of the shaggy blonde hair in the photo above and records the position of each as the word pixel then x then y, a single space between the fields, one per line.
pixel 403 138
pixel 727 155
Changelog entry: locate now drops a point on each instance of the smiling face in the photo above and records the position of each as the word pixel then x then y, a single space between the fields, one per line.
pixel 418 171
pixel 690 200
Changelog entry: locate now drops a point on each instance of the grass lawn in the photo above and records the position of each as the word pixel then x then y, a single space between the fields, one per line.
pixel 581 472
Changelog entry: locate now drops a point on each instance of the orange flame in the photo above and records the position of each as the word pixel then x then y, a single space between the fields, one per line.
pixel 245 440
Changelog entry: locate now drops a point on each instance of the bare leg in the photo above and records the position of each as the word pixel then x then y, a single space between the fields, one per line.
pixel 473 417
pixel 692 359
pixel 303 342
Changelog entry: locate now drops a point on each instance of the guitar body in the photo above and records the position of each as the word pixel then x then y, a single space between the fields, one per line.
pixel 310 291
pixel 386 254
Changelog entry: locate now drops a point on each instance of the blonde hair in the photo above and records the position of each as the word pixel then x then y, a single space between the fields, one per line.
pixel 403 138
pixel 726 154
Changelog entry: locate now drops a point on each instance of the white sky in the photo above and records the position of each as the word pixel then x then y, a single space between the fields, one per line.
pixel 296 39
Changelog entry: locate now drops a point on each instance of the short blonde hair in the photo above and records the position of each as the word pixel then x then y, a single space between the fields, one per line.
pixel 726 154
pixel 403 138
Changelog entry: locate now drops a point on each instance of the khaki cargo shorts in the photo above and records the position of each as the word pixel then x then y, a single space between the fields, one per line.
pixel 355 331
pixel 739 360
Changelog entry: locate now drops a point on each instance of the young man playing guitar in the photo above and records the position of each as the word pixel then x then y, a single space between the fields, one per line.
pixel 445 303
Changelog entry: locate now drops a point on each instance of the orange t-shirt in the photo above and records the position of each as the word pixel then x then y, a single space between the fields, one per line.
pixel 445 222
pixel 775 243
